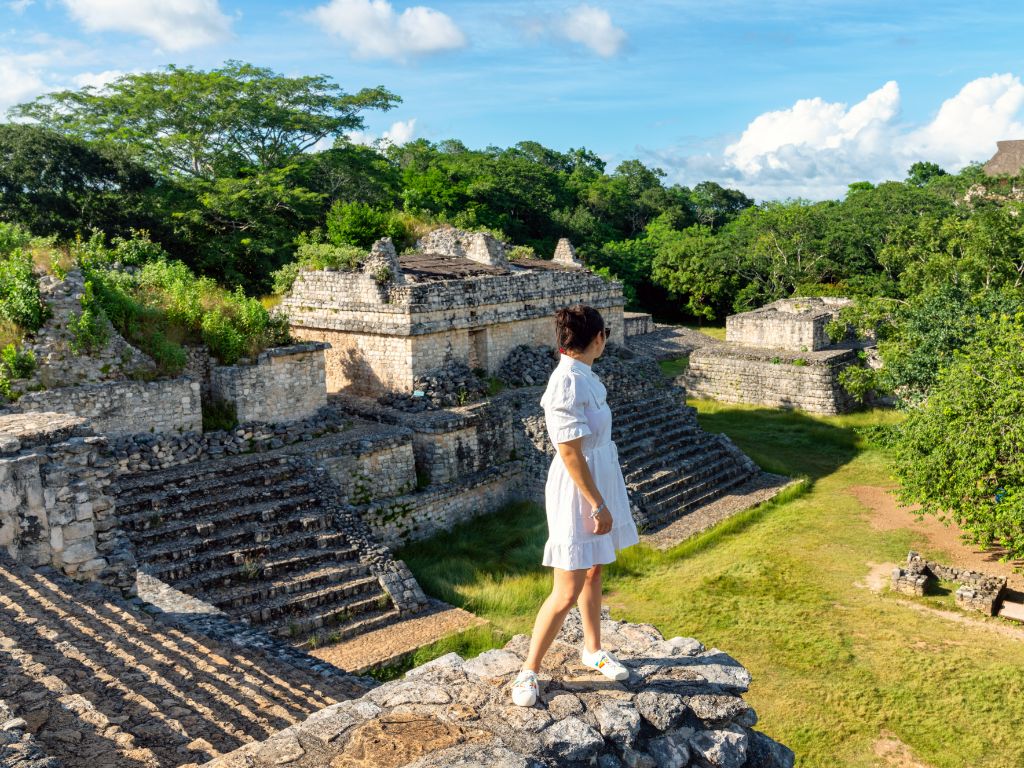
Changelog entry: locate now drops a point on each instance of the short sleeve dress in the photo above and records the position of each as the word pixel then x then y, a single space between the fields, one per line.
pixel 575 406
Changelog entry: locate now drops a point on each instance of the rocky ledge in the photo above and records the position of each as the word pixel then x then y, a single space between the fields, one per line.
pixel 680 707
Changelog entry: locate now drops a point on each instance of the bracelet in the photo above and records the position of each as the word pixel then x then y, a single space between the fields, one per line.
pixel 597 510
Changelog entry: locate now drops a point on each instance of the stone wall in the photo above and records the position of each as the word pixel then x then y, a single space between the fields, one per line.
pixel 123 407
pixel 362 362
pixel 53 506
pixel 636 324
pixel 797 325
pixel 977 591
pixel 776 378
pixel 284 384
pixel 415 516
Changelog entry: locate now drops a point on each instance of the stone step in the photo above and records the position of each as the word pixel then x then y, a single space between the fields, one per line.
pixel 642 462
pixel 296 560
pixel 159 528
pixel 704 492
pixel 351 592
pixel 342 619
pixel 294 582
pixel 188 564
pixel 364 623
pixel 209 471
pixel 254 532
pixel 652 445
pixel 652 413
pixel 201 496
pixel 678 475
pixel 693 479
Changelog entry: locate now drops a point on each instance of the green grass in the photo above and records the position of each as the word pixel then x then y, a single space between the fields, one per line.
pixel 714 331
pixel 674 367
pixel 834 665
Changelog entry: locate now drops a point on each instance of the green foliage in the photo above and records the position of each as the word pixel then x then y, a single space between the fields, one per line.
pixel 517 252
pixel 961 453
pixel 313 254
pixel 17 363
pixel 359 224
pixel 20 301
pixel 219 415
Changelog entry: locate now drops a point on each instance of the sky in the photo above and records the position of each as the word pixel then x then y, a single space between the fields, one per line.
pixel 779 98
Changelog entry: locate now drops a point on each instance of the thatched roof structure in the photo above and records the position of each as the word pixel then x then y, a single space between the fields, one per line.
pixel 1008 159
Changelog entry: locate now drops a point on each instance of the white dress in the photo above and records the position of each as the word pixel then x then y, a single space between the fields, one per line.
pixel 575 406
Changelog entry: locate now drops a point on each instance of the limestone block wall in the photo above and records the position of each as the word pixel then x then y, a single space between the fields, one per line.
pixel 123 407
pixel 420 515
pixel 797 325
pixel 53 506
pixel 362 362
pixel 775 378
pixel 636 324
pixel 373 470
pixel 285 384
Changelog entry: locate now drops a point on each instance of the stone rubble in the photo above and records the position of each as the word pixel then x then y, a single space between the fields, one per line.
pixel 682 706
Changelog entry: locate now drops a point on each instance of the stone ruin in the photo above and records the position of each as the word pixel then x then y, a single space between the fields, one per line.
pixel 780 356
pixel 259 543
pixel 977 591
pixel 681 706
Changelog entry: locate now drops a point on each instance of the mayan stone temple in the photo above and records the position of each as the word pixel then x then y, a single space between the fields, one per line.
pixel 171 596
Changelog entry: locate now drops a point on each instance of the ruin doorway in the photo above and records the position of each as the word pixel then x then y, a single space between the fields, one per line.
pixel 478 349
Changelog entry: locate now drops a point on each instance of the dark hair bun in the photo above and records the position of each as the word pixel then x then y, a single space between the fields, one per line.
pixel 576 327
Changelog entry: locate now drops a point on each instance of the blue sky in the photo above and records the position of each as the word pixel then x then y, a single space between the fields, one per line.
pixel 778 98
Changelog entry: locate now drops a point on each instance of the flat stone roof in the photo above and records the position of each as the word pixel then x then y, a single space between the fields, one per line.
pixel 428 267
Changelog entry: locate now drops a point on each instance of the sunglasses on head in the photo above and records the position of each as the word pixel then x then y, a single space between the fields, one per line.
pixel 607 332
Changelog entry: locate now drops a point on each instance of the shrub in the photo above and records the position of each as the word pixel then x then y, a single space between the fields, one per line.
pixel 20 302
pixel 521 252
pixel 13 237
pixel 17 363
pixel 360 224
pixel 313 253
pixel 219 415
pixel 88 328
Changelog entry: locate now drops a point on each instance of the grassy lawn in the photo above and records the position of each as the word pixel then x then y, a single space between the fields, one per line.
pixel 834 665
pixel 675 366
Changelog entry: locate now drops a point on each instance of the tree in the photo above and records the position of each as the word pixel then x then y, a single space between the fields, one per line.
pixel 59 185
pixel 208 124
pixel 691 266
pixel 962 452
pixel 921 173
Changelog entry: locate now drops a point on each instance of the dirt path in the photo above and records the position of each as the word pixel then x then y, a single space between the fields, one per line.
pixel 893 753
pixel 886 515
pixel 387 645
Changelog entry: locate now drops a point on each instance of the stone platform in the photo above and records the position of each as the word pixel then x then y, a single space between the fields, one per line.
pixel 681 706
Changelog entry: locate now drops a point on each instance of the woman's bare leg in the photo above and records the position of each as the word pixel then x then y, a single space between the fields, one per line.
pixel 564 593
pixel 590 610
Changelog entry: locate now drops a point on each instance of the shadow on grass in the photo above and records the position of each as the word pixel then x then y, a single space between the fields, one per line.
pixel 785 442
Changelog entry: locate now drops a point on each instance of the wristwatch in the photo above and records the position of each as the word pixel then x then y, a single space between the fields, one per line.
pixel 597 510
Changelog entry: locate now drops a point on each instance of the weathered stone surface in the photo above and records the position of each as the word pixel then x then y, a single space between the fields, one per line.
pixel 496 663
pixel 661 709
pixel 617 719
pixel 572 739
pixel 724 748
pixel 765 752
pixel 717 709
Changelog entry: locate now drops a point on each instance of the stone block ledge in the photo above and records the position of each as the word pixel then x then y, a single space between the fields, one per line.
pixel 681 706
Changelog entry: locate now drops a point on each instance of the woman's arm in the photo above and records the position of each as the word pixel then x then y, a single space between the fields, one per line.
pixel 571 452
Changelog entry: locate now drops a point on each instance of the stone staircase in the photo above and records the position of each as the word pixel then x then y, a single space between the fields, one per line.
pixel 256 536
pixel 670 464
pixel 100 682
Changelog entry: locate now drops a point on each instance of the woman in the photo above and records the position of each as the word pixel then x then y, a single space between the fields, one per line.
pixel 587 506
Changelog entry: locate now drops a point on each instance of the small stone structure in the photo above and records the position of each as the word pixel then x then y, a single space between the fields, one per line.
pixel 681 706
pixel 637 324
pixel 780 356
pixel 1008 159
pixel 54 507
pixel 284 384
pixel 977 592
pixel 123 407
pixel 796 325
pixel 457 299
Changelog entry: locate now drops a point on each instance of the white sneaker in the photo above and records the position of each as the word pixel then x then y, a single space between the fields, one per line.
pixel 604 663
pixel 525 689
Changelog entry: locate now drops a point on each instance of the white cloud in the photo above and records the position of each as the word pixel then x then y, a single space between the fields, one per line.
pixel 374 30
pixel 175 25
pixel 22 77
pixel 816 148
pixel 19 6
pixel 96 80
pixel 593 27
pixel 399 133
